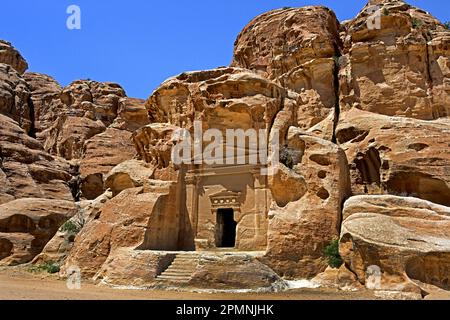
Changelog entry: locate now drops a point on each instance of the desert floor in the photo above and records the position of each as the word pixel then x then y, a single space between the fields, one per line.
pixel 19 284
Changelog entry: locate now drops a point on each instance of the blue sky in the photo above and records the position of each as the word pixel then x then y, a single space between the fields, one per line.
pixel 140 43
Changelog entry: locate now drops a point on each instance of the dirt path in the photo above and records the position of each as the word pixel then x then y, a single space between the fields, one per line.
pixel 17 284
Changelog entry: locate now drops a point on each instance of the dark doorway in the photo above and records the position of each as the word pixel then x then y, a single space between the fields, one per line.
pixel 226 229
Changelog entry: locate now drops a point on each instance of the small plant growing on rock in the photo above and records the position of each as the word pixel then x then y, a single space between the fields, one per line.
pixel 49 267
pixel 331 252
pixel 447 25
pixel 70 227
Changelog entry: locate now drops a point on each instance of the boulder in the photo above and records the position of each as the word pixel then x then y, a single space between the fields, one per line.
pixel 58 248
pixel 127 175
pixel 338 278
pixel 144 218
pixel 234 272
pixel 394 243
pixel 126 267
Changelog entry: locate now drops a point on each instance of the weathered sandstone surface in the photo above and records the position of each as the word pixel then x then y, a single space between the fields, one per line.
pixel 398 69
pixel 137 218
pixel 26 225
pixel 406 239
pixel 10 56
pixel 395 155
pixel 306 214
pixel 361 116
pixel 295 47
pixel 26 170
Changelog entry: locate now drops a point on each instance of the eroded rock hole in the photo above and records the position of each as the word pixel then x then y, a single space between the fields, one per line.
pixel 18 223
pixel 419 185
pixel 320 159
pixel 323 194
pixel 418 146
pixel 368 165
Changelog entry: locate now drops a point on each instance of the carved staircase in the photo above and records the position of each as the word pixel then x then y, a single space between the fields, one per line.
pixel 181 269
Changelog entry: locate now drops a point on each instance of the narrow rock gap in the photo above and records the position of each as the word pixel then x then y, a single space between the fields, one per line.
pixel 436 113
pixel 32 131
pixel 337 107
pixel 75 182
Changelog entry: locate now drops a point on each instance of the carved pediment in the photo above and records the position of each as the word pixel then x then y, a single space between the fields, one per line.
pixel 225 199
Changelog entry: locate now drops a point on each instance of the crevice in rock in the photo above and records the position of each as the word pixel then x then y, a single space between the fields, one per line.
pixel 32 131
pixel 337 108
pixel 436 112
pixel 75 182
pixel 1 158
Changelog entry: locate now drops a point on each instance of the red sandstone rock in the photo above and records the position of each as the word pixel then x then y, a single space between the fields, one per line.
pixel 26 171
pixel 297 48
pixel 10 56
pixel 26 225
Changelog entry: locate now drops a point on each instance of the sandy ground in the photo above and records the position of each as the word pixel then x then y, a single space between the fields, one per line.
pixel 19 284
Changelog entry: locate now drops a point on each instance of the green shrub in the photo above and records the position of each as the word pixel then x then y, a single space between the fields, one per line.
pixel 70 227
pixel 331 252
pixel 447 25
pixel 49 267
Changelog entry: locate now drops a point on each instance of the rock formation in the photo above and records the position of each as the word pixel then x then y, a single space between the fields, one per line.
pixel 399 156
pixel 407 239
pixel 10 56
pixel 297 48
pixel 360 113
pixel 398 69
pixel 26 225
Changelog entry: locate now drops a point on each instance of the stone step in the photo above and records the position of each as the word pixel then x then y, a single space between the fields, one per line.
pixel 186 258
pixel 184 265
pixel 181 269
pixel 177 274
pixel 174 279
